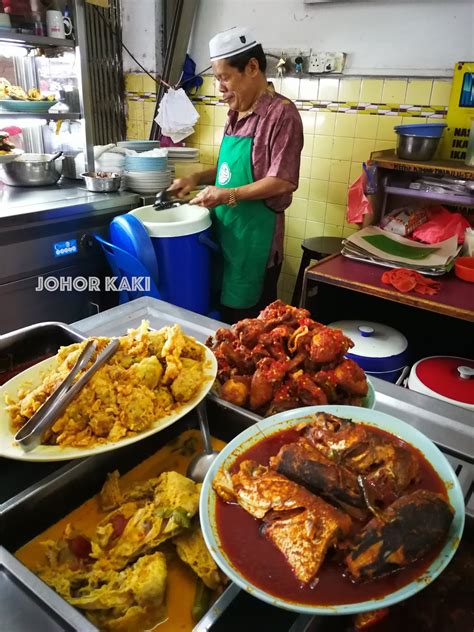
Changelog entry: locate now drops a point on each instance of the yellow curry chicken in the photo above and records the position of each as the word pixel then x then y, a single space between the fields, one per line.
pixel 152 374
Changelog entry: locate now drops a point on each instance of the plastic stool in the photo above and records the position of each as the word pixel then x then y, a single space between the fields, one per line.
pixel 313 248
pixel 123 264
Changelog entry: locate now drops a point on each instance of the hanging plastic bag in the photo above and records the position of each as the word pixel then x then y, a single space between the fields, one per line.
pixel 176 115
pixel 358 204
pixel 442 225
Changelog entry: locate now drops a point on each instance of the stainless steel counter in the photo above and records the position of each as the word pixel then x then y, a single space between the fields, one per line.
pixel 449 426
pixel 38 226
pixel 60 200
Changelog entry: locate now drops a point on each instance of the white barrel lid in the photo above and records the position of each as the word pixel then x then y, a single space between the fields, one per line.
pixel 372 340
pixel 177 221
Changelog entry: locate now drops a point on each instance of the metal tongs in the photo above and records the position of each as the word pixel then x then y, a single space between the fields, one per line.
pixel 164 201
pixel 31 434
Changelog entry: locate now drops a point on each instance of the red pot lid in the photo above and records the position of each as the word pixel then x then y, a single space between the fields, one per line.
pixel 440 374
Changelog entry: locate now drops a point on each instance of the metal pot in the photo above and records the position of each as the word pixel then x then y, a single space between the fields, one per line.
pixel 32 170
pixel 102 182
pixel 416 147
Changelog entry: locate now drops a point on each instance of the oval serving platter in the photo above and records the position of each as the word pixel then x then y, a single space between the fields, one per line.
pixel 291 418
pixel 12 450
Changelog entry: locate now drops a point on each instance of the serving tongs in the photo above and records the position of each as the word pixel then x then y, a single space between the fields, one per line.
pixel 31 434
pixel 165 200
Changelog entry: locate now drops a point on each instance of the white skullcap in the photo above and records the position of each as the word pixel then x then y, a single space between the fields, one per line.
pixel 231 42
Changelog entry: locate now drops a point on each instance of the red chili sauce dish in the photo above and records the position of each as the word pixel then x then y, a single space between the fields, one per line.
pixel 380 509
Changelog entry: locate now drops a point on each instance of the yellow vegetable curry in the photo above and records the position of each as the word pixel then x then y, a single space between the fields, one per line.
pixel 132 558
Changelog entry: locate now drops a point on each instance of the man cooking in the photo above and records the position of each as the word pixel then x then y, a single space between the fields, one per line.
pixel 256 174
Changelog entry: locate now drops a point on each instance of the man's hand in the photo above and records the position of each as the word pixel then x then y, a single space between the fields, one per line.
pixel 183 186
pixel 211 197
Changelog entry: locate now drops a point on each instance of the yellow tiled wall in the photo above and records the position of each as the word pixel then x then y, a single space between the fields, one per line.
pixel 141 102
pixel 344 120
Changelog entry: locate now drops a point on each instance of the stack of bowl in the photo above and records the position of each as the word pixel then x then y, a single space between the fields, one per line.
pixel 139 145
pixel 147 174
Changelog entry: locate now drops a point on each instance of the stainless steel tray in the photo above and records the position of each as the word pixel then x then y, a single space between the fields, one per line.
pixel 18 350
pixel 64 490
pixel 27 604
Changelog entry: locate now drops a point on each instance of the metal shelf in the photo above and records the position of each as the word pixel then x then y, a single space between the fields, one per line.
pixel 50 116
pixel 40 41
pixel 449 198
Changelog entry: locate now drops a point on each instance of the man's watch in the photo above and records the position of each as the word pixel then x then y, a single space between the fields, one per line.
pixel 232 202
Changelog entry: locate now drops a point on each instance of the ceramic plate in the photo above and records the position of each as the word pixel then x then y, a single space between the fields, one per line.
pixel 291 418
pixel 370 398
pixel 11 450
pixel 13 105
pixel 10 157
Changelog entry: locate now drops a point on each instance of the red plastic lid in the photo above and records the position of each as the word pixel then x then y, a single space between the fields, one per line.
pixel 441 375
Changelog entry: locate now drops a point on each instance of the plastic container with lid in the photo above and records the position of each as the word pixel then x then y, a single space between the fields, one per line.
pixel 380 350
pixel 448 378
pixel 175 246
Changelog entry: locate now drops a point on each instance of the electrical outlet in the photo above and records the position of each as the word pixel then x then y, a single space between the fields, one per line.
pixel 326 62
pixel 289 54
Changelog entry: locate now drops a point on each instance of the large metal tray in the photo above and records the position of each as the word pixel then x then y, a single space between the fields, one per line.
pixel 27 604
pixel 63 491
pixel 18 350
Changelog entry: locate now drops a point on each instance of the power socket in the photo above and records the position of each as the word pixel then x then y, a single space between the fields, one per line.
pixel 326 62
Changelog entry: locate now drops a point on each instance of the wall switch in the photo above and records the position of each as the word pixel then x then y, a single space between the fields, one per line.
pixel 326 62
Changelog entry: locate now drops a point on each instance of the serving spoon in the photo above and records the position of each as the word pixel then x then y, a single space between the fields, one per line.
pixel 201 463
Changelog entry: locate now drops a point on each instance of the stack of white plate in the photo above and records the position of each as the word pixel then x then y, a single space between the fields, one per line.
pixel 183 154
pixel 147 182
pixel 147 174
pixel 140 163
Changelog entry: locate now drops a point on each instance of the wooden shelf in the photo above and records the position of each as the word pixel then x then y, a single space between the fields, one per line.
pixel 39 41
pixel 454 299
pixel 387 159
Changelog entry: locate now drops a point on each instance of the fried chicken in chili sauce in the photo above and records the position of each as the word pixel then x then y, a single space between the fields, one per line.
pixel 302 526
pixel 291 360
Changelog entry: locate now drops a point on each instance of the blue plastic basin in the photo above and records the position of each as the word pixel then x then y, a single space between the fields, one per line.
pixel 431 130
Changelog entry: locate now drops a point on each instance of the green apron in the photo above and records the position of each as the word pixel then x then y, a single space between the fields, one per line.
pixel 245 232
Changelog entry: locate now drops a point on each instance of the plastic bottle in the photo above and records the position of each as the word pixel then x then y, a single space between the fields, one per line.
pixel 468 247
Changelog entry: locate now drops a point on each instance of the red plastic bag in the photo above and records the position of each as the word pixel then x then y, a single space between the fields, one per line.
pixel 358 203
pixel 442 225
